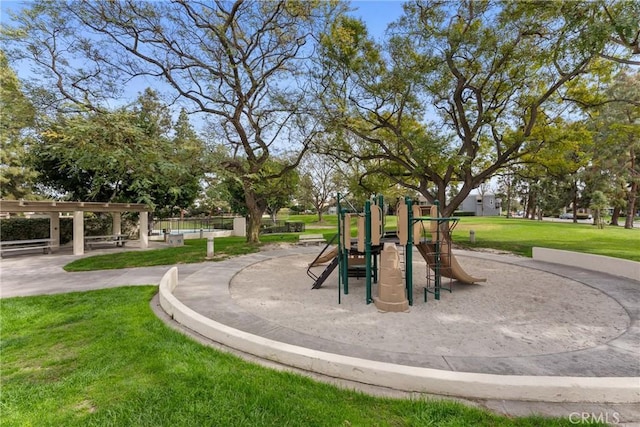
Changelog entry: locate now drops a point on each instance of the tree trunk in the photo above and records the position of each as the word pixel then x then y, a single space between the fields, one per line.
pixel 531 206
pixel 253 228
pixel 509 199
pixel 631 205
pixel 256 209
pixel 615 216
pixel 319 215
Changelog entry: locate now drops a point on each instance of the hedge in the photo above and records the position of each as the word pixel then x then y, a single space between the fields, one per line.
pixel 38 228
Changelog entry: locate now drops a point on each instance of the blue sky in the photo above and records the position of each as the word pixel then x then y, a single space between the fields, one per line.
pixel 377 14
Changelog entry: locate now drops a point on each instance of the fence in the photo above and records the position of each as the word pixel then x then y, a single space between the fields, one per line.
pixel 281 226
pixel 191 225
pixel 194 225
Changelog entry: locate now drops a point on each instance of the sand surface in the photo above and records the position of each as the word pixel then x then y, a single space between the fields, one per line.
pixel 517 312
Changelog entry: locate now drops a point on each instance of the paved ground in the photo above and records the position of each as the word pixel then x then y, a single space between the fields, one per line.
pixel 563 321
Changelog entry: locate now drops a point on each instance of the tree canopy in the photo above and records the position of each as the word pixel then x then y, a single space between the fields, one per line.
pixel 240 64
pixel 17 114
pixel 125 155
pixel 461 90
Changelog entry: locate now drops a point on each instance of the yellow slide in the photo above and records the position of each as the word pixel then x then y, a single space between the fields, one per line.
pixel 326 257
pixel 449 266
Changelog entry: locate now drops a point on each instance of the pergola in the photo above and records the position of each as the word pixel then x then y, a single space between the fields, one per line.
pixel 54 209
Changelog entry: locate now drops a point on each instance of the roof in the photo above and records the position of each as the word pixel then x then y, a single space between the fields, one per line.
pixel 41 206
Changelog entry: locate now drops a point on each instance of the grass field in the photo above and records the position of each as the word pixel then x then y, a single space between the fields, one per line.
pixel 102 358
pixel 512 235
pixel 194 250
pixel 521 235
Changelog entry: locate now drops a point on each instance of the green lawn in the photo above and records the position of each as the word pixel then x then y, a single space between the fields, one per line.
pixel 513 235
pixel 521 235
pixel 103 358
pixel 194 250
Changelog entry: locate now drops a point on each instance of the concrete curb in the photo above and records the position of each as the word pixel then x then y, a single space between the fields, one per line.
pixel 400 377
pixel 615 266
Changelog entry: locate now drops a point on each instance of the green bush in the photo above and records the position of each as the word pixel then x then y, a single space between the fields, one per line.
pixel 280 226
pixel 25 228
pixel 294 226
pixel 38 228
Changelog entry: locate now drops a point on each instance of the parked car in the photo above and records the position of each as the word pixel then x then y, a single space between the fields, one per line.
pixel 580 215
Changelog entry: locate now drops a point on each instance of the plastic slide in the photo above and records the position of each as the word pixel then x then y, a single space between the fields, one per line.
pixel 449 266
pixel 326 257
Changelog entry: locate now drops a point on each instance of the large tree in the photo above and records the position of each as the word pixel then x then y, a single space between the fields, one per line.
pixel 319 183
pixel 615 167
pixel 16 115
pixel 271 195
pixel 239 63
pixel 125 155
pixel 460 90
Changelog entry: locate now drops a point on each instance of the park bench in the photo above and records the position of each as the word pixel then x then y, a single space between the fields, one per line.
pixel 305 239
pixel 25 245
pixel 117 239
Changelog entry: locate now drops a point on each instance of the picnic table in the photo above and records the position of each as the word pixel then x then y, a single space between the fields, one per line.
pixel 24 245
pixel 117 239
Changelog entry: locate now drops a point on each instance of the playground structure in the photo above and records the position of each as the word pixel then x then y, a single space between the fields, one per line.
pixel 359 257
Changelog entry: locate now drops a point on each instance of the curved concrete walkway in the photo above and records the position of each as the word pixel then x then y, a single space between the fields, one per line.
pixel 205 289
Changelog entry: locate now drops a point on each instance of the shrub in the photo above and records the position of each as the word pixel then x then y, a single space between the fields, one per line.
pixel 463 213
pixel 25 228
pixel 19 228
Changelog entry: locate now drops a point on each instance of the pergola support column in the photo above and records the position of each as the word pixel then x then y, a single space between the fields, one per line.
pixel 54 230
pixel 144 230
pixel 78 233
pixel 117 223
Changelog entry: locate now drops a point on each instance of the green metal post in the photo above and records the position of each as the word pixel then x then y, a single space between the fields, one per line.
pixel 345 261
pixel 408 255
pixel 381 204
pixel 375 269
pixel 367 248
pixel 340 249
pixel 437 255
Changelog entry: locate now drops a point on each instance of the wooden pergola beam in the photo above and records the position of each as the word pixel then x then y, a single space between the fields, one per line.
pixel 46 206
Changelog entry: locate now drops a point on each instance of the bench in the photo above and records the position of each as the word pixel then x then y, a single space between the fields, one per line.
pixel 25 245
pixel 117 239
pixel 305 239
